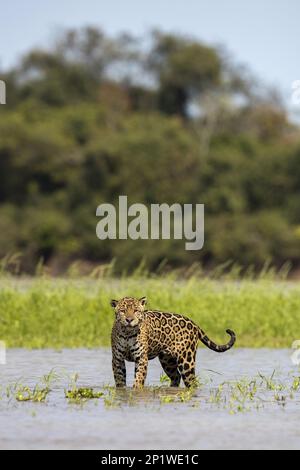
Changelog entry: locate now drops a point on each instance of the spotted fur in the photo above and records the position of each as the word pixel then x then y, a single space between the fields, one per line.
pixel 139 335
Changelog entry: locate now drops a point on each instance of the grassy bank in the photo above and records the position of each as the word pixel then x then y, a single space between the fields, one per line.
pixel 42 313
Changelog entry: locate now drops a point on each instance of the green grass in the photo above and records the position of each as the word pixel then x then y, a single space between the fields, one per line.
pixel 67 313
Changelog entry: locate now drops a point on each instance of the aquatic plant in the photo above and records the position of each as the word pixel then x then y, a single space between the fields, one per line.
pixel 36 394
pixel 82 394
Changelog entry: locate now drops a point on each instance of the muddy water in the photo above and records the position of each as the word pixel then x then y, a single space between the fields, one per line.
pixel 142 420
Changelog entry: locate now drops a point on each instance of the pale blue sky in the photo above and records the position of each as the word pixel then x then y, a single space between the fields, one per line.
pixel 264 34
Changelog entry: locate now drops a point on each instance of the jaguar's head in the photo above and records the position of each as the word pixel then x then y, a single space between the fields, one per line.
pixel 129 311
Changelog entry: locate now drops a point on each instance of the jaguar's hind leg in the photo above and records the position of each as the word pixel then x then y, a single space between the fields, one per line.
pixel 186 367
pixel 170 366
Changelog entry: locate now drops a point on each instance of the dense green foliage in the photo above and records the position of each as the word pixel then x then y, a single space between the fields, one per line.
pixel 72 313
pixel 96 117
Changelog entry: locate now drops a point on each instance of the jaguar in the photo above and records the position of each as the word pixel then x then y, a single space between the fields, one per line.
pixel 139 335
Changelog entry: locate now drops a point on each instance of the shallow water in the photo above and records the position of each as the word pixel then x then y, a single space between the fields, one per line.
pixel 140 420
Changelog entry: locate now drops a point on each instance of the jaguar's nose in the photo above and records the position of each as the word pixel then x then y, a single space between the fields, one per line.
pixel 128 321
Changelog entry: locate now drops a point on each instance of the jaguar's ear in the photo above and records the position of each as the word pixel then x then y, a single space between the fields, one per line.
pixel 143 301
pixel 113 303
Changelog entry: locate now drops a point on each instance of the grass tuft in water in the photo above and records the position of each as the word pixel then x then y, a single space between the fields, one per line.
pixel 36 395
pixel 82 394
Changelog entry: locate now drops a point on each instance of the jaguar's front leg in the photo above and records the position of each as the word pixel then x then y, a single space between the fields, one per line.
pixel 119 371
pixel 141 367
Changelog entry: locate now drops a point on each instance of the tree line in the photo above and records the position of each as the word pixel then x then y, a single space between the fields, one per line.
pixel 160 118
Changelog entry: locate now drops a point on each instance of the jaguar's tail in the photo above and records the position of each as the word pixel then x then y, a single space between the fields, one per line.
pixel 215 347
